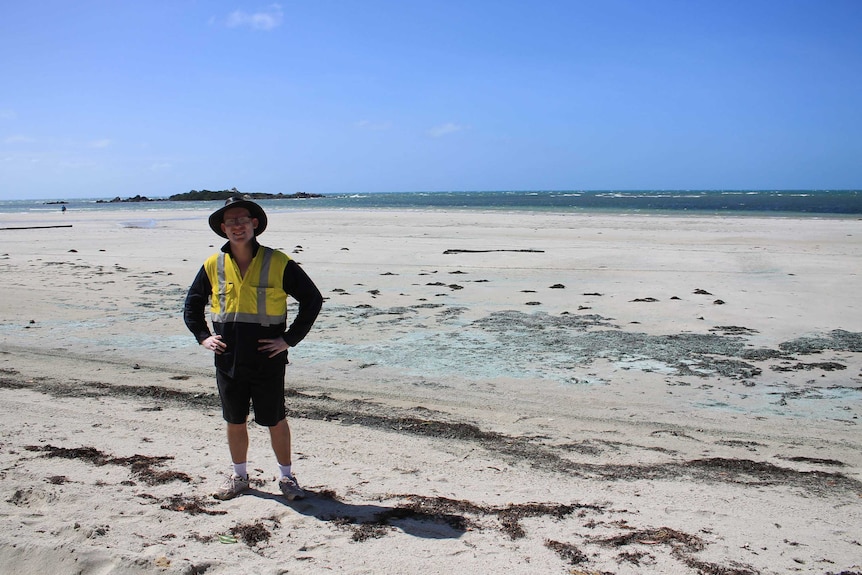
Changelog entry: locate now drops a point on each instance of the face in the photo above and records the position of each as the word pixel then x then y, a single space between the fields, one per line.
pixel 238 224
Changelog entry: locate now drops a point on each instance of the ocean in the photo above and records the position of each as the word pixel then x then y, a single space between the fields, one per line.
pixel 788 203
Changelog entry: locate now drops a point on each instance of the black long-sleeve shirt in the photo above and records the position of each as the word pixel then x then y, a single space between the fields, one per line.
pixel 242 338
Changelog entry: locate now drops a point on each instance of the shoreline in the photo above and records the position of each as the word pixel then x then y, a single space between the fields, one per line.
pixel 507 423
pixel 711 203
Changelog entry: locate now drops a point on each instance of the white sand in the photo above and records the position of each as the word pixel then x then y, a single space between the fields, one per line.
pixel 742 464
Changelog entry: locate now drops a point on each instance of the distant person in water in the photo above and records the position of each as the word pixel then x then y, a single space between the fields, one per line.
pixel 63 209
pixel 246 286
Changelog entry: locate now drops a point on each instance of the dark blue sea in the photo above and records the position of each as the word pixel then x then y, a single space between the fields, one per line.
pixel 822 203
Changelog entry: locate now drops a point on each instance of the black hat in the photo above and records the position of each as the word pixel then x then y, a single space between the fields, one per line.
pixel 217 217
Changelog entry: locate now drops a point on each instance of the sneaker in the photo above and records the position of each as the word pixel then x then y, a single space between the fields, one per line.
pixel 290 488
pixel 232 486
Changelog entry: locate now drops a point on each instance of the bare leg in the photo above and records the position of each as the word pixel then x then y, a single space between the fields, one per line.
pixel 279 435
pixel 237 441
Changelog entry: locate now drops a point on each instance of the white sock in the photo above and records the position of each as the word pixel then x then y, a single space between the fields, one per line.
pixel 240 469
pixel 285 470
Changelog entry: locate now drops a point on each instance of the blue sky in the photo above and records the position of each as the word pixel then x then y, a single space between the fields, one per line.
pixel 110 97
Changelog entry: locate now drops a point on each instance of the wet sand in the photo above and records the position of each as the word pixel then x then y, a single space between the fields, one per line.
pixel 492 392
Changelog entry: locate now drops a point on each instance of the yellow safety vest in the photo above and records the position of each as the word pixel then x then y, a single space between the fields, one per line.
pixel 258 298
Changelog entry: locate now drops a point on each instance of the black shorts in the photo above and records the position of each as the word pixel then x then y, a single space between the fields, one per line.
pixel 265 391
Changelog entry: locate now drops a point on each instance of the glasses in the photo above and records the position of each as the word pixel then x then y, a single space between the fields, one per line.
pixel 241 221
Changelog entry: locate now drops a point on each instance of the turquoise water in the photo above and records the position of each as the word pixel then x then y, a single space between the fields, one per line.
pixel 731 202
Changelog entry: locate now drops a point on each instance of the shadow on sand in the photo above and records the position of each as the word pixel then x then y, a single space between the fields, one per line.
pixel 368 521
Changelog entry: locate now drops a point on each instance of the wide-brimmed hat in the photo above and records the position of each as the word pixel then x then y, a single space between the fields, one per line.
pixel 217 217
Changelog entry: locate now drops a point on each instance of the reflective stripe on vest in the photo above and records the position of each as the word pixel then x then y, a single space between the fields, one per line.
pixel 262 316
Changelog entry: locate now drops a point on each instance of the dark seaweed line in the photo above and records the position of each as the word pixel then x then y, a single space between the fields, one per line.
pixel 324 408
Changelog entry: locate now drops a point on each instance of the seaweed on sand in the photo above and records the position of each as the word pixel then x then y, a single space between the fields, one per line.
pixel 191 505
pixel 141 466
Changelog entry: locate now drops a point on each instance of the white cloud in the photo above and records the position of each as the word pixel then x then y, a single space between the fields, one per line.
pixel 444 130
pixel 8 115
pixel 160 166
pixel 103 143
pixel 266 19
pixel 77 164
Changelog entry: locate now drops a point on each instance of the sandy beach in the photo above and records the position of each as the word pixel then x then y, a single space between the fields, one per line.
pixel 484 392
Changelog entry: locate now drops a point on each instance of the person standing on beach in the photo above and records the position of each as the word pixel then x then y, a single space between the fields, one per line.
pixel 246 286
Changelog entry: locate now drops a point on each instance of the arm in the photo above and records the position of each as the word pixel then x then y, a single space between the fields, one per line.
pixel 194 309
pixel 299 286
